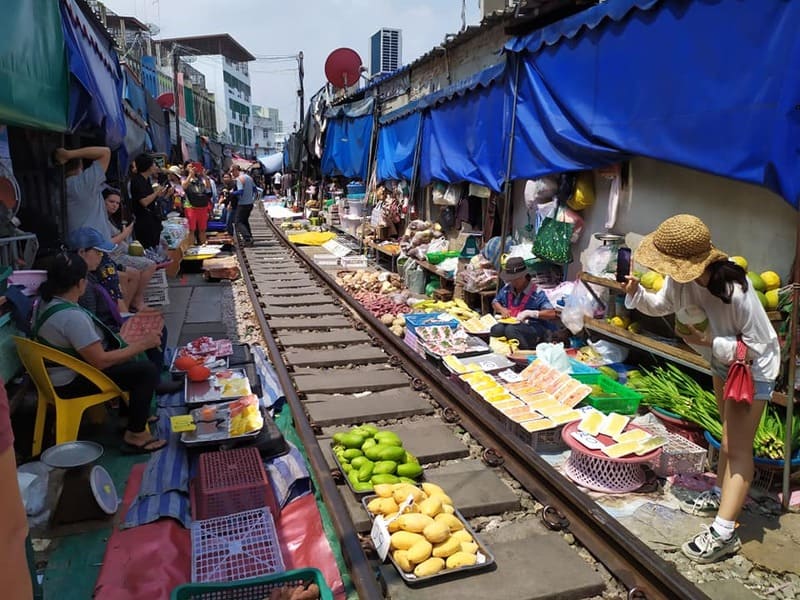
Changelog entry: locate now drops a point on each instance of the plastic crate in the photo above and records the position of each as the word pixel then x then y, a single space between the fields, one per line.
pixel 353 262
pixel 768 472
pixel 625 401
pixel 675 424
pixel 159 279
pixel 547 440
pixel 235 547
pixel 156 296
pixel 680 456
pixel 414 320
pixel 231 481
pixel 253 589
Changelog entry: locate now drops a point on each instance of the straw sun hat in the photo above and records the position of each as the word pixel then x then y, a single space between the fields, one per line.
pixel 680 247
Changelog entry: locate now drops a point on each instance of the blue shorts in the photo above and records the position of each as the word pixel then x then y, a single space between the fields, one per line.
pixel 763 389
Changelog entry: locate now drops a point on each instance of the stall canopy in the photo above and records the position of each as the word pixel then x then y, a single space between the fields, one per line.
pixel 348 138
pixel 710 85
pixel 33 62
pixel 397 146
pixel 95 95
pixel 271 163
pixel 463 133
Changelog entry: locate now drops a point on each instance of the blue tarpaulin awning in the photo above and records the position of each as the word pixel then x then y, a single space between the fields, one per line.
pixel 397 146
pixel 95 98
pixel 709 85
pixel 348 138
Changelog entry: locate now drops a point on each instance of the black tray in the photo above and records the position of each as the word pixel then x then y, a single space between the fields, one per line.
pixel 269 442
pixel 241 355
pixel 411 579
pixel 347 479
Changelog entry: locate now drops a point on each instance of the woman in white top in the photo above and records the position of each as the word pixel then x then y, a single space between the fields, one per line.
pixel 701 275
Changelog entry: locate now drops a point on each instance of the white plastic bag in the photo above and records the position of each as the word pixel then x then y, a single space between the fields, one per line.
pixel 611 352
pixel 554 355
pixel 579 304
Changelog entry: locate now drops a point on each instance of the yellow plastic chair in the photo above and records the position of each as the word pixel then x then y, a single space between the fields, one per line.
pixel 69 411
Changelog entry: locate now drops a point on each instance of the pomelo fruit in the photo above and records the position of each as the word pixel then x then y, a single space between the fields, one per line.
pixel 690 315
pixel 658 282
pixel 758 283
pixel 648 279
pixel 771 280
pixel 762 298
pixel 772 299
pixel 739 260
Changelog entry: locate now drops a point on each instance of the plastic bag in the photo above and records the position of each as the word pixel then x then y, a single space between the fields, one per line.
pixel 611 352
pixel 579 304
pixel 503 346
pixel 555 356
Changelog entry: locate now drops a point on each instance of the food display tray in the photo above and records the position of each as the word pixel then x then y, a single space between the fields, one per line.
pixel 411 579
pixel 204 392
pixel 489 363
pixel 347 479
pixel 215 433
pixel 213 363
pixel 475 346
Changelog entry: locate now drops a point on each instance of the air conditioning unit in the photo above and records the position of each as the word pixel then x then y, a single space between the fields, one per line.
pixel 487 7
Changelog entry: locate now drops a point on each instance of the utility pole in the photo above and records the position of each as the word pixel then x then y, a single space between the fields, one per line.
pixel 175 61
pixel 301 200
pixel 301 92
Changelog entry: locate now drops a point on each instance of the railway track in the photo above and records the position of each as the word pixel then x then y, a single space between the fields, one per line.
pixel 339 366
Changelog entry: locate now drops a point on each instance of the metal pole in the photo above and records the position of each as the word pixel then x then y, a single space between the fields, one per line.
pixel 507 182
pixel 301 91
pixel 175 60
pixel 787 444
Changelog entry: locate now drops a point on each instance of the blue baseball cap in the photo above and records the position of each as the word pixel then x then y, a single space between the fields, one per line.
pixel 87 237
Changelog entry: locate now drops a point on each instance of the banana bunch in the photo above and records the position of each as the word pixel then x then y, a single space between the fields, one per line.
pixel 458 308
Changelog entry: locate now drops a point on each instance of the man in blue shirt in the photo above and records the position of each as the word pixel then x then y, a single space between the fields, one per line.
pixel 520 299
pixel 246 196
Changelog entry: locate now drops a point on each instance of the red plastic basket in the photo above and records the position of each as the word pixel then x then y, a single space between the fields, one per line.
pixel 231 481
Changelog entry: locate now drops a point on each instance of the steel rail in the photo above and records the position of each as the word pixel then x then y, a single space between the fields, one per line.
pixel 644 573
pixel 361 572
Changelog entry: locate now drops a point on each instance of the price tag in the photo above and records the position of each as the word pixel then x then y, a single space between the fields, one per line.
pixel 380 529
pixel 337 249
pixel 509 376
pixel 181 423
pixel 587 440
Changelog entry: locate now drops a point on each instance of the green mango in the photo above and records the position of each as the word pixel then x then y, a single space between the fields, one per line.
pixel 410 458
pixel 362 486
pixel 360 432
pixel 371 429
pixel 352 476
pixel 359 461
pixel 338 437
pixel 373 452
pixel 352 440
pixel 385 466
pixel 346 468
pixel 410 470
pixel 388 437
pixel 368 443
pixel 408 480
pixel 395 453
pixel 352 453
pixel 385 478
pixel 365 472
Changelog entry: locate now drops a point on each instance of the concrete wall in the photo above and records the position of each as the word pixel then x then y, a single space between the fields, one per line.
pixel 744 219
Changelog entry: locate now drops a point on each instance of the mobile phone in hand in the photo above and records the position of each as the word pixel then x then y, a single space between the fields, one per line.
pixel 623 264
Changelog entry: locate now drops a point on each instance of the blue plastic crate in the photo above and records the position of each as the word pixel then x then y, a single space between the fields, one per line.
pixel 414 320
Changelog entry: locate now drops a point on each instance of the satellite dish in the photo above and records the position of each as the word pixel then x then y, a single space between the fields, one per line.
pixel 166 100
pixel 343 68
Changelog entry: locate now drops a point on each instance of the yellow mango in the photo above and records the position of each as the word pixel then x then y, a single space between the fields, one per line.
pixel 448 508
pixel 454 523
pixel 431 488
pixel 402 491
pixel 414 522
pixel 443 498
pixel 469 547
pixel 431 506
pixel 403 540
pixel 382 506
pixel 450 546
pixel 430 567
pixel 393 526
pixel 461 559
pixel 420 552
pixel 436 532
pixel 401 558
pixel 383 490
pixel 462 535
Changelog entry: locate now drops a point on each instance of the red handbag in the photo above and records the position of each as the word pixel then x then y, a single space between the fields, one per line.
pixel 739 385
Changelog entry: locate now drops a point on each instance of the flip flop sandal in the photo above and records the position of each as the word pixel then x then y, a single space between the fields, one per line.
pixel 145 448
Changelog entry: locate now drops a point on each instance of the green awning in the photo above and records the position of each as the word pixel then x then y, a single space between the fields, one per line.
pixel 33 66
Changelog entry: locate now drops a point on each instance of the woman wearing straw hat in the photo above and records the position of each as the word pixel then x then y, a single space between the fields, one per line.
pixel 519 298
pixel 699 274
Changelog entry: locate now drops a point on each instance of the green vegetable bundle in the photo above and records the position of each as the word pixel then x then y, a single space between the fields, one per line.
pixel 671 389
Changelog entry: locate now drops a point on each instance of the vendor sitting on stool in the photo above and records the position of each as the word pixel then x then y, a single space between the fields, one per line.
pixel 520 299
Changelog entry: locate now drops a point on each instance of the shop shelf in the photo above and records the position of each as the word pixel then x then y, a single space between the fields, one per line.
pixel 253 589
pixel 621 399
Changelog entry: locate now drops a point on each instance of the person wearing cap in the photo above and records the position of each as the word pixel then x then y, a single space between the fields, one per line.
pixel 698 274
pixel 61 323
pixel 197 204
pixel 520 299
pixel 105 270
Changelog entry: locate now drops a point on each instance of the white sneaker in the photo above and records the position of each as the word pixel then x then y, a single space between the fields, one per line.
pixel 703 505
pixel 708 547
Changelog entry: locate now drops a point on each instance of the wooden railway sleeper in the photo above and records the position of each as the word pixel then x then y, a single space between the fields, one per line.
pixel 553 518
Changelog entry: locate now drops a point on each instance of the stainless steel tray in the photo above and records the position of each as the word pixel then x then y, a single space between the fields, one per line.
pixel 219 363
pixel 411 579
pixel 204 392
pixel 347 479
pixel 216 432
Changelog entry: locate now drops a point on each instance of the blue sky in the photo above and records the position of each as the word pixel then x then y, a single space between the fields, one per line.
pixel 272 28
